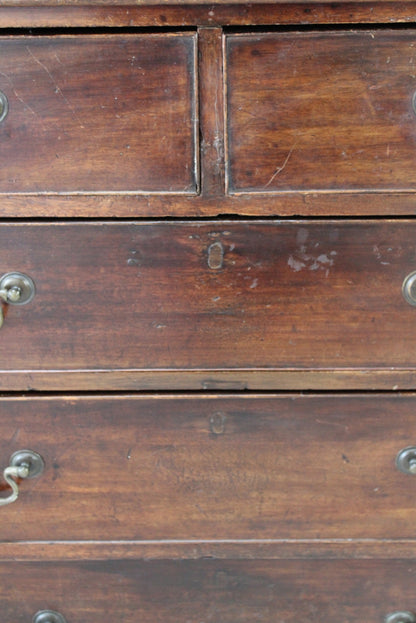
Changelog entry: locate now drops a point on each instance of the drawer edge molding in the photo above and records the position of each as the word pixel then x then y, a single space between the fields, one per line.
pixel 209 380
pixel 271 549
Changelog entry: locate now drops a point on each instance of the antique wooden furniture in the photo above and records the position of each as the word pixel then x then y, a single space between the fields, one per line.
pixel 208 303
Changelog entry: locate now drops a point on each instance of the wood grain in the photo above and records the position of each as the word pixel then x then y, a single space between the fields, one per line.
pixel 211 111
pixel 208 468
pixel 161 3
pixel 92 114
pixel 141 296
pixel 240 379
pixel 211 15
pixel 164 591
pixel 296 203
pixel 220 549
pixel 329 111
pixel 369 148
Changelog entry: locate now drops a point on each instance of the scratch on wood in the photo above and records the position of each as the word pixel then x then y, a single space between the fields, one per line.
pixel 18 97
pixel 280 169
pixel 57 87
pixel 332 423
pixel 15 436
pixel 369 103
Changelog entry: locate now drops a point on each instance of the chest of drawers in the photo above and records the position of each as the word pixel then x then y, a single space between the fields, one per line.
pixel 207 276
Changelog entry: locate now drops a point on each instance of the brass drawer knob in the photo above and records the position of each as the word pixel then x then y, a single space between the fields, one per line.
pixel 15 289
pixel 4 106
pixel 400 617
pixel 23 464
pixel 48 616
pixel 406 460
pixel 409 288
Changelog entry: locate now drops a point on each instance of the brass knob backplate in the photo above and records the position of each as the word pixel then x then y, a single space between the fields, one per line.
pixel 48 616
pixel 23 464
pixel 16 288
pixel 400 617
pixel 4 106
pixel 406 460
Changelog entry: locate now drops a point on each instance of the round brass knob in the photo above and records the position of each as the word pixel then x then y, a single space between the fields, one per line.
pixel 400 617
pixel 30 459
pixel 23 464
pixel 406 460
pixel 48 616
pixel 4 106
pixel 409 288
pixel 16 288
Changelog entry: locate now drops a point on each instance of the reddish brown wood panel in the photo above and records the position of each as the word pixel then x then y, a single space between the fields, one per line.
pixel 196 549
pixel 92 114
pixel 275 295
pixel 211 112
pixel 329 111
pixel 207 14
pixel 308 203
pixel 207 468
pixel 164 591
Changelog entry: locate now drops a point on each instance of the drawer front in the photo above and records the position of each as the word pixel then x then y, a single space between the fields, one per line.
pixel 95 114
pixel 324 111
pixel 210 296
pixel 193 591
pixel 207 468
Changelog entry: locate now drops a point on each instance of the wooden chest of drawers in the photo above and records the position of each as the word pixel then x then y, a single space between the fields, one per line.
pixel 208 295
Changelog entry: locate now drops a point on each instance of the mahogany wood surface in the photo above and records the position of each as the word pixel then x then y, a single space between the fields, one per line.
pixel 285 295
pixel 354 118
pixel 98 113
pixel 220 549
pixel 132 205
pixel 33 4
pixel 211 468
pixel 285 379
pixel 220 504
pixel 209 590
pixel 330 111
pixel 206 15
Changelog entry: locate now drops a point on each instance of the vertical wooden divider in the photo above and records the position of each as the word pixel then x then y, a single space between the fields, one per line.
pixel 210 68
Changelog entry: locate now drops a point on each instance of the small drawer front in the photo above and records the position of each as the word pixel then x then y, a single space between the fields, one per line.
pixel 209 296
pixel 205 468
pixel 95 114
pixel 350 591
pixel 324 111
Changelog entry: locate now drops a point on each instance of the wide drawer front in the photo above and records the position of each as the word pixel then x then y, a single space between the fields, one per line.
pixel 207 468
pixel 210 296
pixel 95 114
pixel 350 591
pixel 324 111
